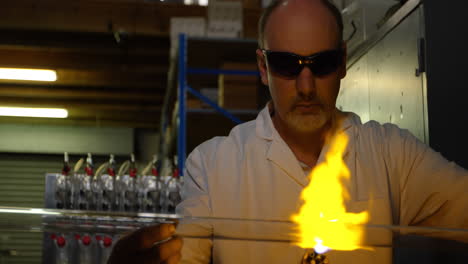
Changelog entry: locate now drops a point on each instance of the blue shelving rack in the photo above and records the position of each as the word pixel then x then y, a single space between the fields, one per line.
pixel 183 88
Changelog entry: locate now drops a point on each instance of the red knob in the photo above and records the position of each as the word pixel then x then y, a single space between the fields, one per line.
pixel 133 172
pixel 53 236
pixel 111 172
pixel 89 171
pixel 77 236
pixel 86 240
pixel 107 242
pixel 98 237
pixel 61 241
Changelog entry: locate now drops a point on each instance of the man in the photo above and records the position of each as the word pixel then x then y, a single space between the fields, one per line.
pixel 260 169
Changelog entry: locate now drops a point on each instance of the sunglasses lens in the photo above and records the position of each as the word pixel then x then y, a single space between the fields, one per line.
pixel 287 64
pixel 284 64
pixel 326 62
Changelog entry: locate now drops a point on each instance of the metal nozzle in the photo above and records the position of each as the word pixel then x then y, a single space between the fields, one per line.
pixel 313 257
pixel 89 159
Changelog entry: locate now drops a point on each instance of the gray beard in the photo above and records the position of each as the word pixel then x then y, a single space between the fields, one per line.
pixel 306 123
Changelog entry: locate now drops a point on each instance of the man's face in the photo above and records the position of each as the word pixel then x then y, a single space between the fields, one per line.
pixel 304 27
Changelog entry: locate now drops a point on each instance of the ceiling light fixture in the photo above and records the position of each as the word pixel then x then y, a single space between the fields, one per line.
pixel 28 74
pixel 34 112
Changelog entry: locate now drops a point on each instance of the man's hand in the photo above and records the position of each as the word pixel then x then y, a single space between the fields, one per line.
pixel 151 244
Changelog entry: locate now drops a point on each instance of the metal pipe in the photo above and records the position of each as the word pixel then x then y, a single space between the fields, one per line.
pixel 213 105
pixel 391 24
pixel 182 133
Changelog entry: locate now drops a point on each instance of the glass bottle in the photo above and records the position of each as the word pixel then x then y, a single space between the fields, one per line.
pixel 62 248
pixel 107 184
pixel 173 189
pixel 129 187
pixel 86 195
pixel 154 188
pixel 63 187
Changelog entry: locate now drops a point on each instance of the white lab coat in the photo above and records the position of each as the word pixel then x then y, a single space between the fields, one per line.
pixel 253 174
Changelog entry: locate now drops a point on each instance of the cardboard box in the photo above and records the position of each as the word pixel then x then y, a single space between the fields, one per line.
pixel 193 103
pixel 225 19
pixel 238 91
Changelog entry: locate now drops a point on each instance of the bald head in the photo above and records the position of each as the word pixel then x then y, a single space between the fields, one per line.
pixel 318 13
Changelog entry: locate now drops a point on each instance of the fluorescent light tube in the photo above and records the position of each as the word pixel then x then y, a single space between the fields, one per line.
pixel 26 211
pixel 34 112
pixel 28 74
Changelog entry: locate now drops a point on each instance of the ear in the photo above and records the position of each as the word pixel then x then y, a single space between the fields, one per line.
pixel 342 70
pixel 261 63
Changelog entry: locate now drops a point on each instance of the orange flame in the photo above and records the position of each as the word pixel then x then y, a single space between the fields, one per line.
pixel 322 220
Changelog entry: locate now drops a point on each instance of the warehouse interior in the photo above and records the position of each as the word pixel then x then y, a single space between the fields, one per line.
pixel 118 76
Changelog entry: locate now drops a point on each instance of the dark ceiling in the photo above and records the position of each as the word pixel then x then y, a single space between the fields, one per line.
pixel 111 57
pixel 98 79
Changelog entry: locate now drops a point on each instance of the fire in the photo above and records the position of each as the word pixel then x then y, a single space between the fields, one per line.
pixel 322 221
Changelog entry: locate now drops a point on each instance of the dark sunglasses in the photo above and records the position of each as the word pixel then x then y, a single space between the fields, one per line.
pixel 290 65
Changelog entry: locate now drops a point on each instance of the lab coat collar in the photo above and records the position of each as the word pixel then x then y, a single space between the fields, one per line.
pixel 264 125
pixel 280 153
